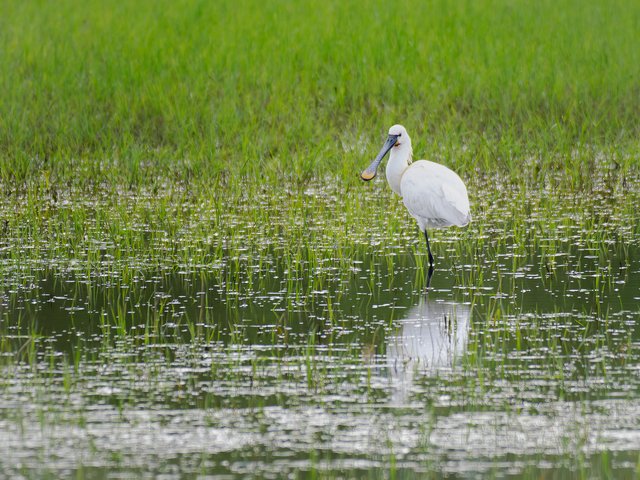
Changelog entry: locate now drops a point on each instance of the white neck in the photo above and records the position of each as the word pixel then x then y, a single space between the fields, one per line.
pixel 399 160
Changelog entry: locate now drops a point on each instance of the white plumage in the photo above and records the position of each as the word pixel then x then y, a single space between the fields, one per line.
pixel 434 195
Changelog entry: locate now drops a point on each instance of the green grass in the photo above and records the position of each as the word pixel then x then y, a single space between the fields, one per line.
pixel 189 131
pixel 102 90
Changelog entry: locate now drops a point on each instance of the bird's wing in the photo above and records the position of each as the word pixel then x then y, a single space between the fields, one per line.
pixel 456 195
pixel 435 195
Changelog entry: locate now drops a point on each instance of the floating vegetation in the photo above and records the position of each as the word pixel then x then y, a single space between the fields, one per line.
pixel 268 333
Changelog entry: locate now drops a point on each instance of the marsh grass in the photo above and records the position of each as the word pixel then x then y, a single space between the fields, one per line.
pixel 130 93
pixel 186 249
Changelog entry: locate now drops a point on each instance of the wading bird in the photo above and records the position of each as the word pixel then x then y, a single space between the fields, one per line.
pixel 434 195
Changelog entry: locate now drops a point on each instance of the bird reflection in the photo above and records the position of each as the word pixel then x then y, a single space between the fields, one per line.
pixel 431 336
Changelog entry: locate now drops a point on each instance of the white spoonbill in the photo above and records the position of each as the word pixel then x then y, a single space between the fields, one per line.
pixel 434 195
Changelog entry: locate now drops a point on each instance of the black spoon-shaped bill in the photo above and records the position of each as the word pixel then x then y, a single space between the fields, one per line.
pixel 372 169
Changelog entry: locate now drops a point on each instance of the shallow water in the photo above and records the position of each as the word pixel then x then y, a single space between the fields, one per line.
pixel 522 359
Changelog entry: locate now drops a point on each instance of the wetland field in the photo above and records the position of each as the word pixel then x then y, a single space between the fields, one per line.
pixel 194 282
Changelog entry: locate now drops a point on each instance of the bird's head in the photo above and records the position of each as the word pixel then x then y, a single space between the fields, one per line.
pixel 400 133
pixel 398 138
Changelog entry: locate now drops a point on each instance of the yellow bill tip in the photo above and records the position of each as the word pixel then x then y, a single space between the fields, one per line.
pixel 366 175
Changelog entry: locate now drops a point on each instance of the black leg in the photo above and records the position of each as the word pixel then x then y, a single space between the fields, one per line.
pixel 430 272
pixel 428 248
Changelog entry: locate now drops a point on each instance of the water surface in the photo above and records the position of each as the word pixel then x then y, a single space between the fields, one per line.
pixel 522 359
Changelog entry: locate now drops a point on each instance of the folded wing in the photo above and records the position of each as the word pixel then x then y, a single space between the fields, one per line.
pixel 434 195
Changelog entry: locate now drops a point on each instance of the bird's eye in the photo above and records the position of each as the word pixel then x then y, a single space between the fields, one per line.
pixel 399 134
